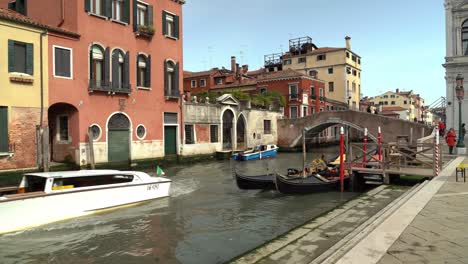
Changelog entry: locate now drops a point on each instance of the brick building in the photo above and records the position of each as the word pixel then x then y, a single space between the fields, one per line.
pixel 119 82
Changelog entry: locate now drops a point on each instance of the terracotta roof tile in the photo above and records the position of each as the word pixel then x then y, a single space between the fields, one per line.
pixel 13 16
pixel 393 108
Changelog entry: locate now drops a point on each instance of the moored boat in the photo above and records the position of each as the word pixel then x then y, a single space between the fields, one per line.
pixel 47 197
pixel 246 182
pixel 304 185
pixel 258 152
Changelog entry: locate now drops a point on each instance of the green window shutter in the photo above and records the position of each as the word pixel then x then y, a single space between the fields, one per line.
pixel 107 59
pixel 137 71
pixel 164 23
pixel 126 12
pixel 176 26
pixel 135 16
pixel 150 15
pixel 148 72
pixel 29 59
pixel 11 55
pixel 115 69
pixel 126 69
pixel 3 129
pixel 87 5
pixel 176 80
pixel 165 79
pixel 91 68
pixel 107 8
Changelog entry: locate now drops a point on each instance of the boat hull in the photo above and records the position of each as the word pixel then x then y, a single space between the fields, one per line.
pixel 18 214
pixel 301 185
pixel 245 182
pixel 258 155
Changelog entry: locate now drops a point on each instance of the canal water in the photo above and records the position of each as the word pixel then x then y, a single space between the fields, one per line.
pixel 207 219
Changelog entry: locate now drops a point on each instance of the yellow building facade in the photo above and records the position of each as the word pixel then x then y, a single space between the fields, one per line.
pixel 23 88
pixel 340 68
pixel 391 99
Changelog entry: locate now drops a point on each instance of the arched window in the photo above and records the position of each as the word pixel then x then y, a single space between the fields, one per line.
pixel 120 78
pixel 171 79
pixel 465 38
pixel 96 66
pixel 143 71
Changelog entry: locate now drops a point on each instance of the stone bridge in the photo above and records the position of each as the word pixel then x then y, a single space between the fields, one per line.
pixel 290 130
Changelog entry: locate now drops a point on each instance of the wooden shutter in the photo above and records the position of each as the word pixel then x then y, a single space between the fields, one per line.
pixel 115 69
pixel 176 26
pixel 165 79
pixel 164 23
pixel 176 91
pixel 148 72
pixel 29 59
pixel 107 8
pixel 91 63
pixel 126 70
pixel 137 71
pixel 126 12
pixel 105 81
pixel 11 55
pixel 87 5
pixel 135 15
pixel 3 129
pixel 150 15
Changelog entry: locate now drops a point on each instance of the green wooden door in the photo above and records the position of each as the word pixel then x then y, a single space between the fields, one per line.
pixel 3 129
pixel 170 140
pixel 119 145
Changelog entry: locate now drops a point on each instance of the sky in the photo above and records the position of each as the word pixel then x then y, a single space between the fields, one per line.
pixel 401 42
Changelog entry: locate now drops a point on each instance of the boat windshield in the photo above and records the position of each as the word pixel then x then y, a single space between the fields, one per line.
pixel 33 184
pixel 88 181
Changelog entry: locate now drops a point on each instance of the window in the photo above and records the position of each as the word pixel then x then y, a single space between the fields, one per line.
pixel 117 9
pixel 214 133
pixel 304 111
pixel 321 57
pixel 354 72
pixel 171 80
pixel 170 25
pixel 287 62
pixel 96 7
pixel 120 70
pixel 4 129
pixel 142 14
pixel 219 80
pixel 330 70
pixel 144 71
pixel 189 135
pixel 20 57
pixel 62 133
pixel 386 103
pixel 202 83
pixel 141 132
pixel 170 119
pixel 353 58
pixel 263 90
pixel 313 74
pixel 95 132
pixel 266 127
pixel 328 108
pixel 293 92
pixel 293 112
pixel 405 102
pixel 302 60
pixel 359 61
pixel 97 66
pixel 465 38
pixel 331 86
pixel 354 87
pixel 348 70
pixel 393 102
pixel 385 96
pixel 321 93
pixel 62 62
pixel 193 84
pixel 347 54
pixel 312 91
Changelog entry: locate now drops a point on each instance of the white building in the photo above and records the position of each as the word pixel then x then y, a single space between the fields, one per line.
pixel 456 60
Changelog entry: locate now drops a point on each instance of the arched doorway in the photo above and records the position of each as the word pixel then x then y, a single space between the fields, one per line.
pixel 118 139
pixel 64 134
pixel 228 120
pixel 240 129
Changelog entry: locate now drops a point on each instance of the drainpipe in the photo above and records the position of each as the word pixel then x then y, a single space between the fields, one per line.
pixel 62 4
pixel 41 60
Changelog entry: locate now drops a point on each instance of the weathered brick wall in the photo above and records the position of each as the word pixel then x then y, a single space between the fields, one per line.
pixel 22 134
pixel 203 133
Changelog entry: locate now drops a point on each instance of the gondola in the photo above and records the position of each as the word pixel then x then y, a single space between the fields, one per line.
pixel 246 182
pixel 304 185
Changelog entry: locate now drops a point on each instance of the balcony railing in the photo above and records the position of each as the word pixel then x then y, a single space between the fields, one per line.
pixel 105 86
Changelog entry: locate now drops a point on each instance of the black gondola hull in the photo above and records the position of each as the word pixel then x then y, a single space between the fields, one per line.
pixel 245 182
pixel 304 185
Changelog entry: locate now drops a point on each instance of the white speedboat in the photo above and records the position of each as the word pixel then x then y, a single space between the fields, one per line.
pixel 47 197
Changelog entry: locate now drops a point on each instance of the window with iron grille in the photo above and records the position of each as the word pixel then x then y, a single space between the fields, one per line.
pixel 214 134
pixel 266 126
pixel 189 134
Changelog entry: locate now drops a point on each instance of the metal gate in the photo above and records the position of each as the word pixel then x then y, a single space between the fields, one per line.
pixel 228 118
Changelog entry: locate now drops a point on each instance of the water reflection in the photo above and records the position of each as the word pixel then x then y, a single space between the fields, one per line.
pixel 207 219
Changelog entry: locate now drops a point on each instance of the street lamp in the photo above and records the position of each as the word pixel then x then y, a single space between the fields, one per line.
pixel 460 92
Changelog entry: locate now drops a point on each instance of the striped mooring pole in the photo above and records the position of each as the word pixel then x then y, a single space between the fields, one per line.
pixel 436 150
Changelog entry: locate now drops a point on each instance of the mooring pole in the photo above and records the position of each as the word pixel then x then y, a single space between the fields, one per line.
pixel 436 150
pixel 341 159
pixel 364 148
pixel 379 148
pixel 304 153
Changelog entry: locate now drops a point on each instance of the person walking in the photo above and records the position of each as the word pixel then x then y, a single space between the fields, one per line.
pixel 441 128
pixel 451 140
pixel 463 133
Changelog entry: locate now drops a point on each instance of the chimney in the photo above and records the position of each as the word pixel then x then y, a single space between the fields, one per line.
pixel 348 42
pixel 245 68
pixel 233 64
pixel 397 91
